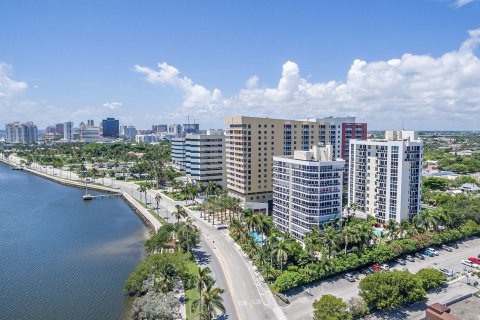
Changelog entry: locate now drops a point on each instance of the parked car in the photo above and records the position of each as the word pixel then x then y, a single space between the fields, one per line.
pixel 447 248
pixel 468 263
pixel 349 277
pixel 435 252
pixel 376 267
pixel 401 261
pixel 385 267
pixel 366 271
pixel 454 245
pixel 427 253
pixel 410 258
pixel 446 272
pixel 419 256
pixel 474 260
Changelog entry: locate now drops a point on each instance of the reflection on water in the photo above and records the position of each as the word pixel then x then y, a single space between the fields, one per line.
pixel 62 257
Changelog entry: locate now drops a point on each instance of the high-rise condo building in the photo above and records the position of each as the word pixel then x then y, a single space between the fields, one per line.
pixel 178 153
pixel 68 131
pixel 205 157
pixel 110 128
pixel 385 176
pixel 130 132
pixel 90 123
pixel 307 190
pixel 252 142
pixel 17 132
pixel 176 130
pixel 89 134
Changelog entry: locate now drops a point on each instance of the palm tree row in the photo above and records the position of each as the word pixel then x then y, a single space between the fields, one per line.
pixel 210 299
pixel 221 207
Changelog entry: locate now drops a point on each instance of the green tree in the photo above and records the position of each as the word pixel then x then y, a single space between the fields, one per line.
pixel 202 280
pixel 389 289
pixel 430 278
pixel 329 307
pixel 211 303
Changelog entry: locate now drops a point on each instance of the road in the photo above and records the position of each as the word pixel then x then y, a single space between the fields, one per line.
pixel 245 296
pixel 300 306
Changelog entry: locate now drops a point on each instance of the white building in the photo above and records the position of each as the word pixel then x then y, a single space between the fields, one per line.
pixel 307 190
pixel 385 176
pixel 17 132
pixel 89 134
pixel 68 131
pixel 146 138
pixel 205 157
pixel 178 153
pixel 130 132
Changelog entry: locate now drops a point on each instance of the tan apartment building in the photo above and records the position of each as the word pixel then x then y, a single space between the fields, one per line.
pixel 251 143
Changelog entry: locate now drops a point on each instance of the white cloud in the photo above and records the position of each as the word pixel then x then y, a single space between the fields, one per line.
pixel 412 87
pixel 461 3
pixel 8 86
pixel 112 105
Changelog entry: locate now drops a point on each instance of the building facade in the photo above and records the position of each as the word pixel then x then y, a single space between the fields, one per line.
pixel 17 132
pixel 251 143
pixel 110 128
pixel 68 131
pixel 205 158
pixel 178 153
pixel 385 176
pixel 130 132
pixel 307 190
pixel 89 134
pixel 159 128
pixel 191 128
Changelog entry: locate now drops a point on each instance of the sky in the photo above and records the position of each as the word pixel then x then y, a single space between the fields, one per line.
pixel 392 64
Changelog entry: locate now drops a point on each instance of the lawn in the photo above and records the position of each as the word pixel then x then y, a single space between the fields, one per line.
pixel 191 294
pixel 162 221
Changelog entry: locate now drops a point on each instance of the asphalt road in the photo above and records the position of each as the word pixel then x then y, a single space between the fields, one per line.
pixel 300 306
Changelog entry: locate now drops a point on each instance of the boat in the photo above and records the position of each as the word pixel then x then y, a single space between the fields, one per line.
pixel 87 196
pixel 17 168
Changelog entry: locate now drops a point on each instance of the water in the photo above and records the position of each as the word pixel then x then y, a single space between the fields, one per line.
pixel 62 257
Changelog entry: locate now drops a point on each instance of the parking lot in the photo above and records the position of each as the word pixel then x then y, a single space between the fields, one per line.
pixel 301 300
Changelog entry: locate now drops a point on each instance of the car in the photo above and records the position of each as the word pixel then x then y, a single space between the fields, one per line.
pixel 220 227
pixel 447 248
pixel 428 253
pixel 468 263
pixel 349 277
pixel 446 272
pixel 385 267
pixel 410 258
pixel 474 260
pixel 419 256
pixel 366 271
pixel 435 252
pixel 376 267
pixel 401 261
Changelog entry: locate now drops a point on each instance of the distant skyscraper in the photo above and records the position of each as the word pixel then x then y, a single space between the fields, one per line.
pixel 191 128
pixel 159 128
pixel 175 129
pixel 59 129
pixel 110 128
pixel 68 131
pixel 21 133
pixel 90 123
pixel 130 132
pixel 50 130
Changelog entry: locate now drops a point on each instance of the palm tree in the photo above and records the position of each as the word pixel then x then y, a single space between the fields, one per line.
pixel 158 198
pixel 281 252
pixel 212 186
pixel 143 189
pixel 330 238
pixel 202 280
pixel 211 302
pixel 179 213
pixel 393 228
pixel 313 242
pixel 348 235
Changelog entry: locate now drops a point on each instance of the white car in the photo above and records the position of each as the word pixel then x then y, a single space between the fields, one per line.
pixel 385 267
pixel 433 251
pixel 469 263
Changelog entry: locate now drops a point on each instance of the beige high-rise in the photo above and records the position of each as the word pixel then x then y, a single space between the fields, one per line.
pixel 251 143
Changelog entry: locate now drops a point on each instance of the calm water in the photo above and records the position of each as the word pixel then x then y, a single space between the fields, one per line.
pixel 62 257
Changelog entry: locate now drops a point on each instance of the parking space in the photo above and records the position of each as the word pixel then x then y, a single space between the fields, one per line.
pixel 301 300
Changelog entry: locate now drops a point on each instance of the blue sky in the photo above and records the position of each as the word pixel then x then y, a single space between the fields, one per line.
pixel 159 61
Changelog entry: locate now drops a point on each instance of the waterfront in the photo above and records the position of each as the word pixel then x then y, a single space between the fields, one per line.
pixel 62 257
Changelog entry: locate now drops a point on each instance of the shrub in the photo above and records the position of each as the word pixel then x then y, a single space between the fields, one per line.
pixel 358 308
pixel 288 280
pixel 330 307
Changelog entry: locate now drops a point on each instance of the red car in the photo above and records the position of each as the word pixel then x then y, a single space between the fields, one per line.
pixel 376 267
pixel 474 260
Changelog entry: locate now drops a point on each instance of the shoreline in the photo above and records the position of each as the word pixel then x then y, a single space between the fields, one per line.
pixel 150 221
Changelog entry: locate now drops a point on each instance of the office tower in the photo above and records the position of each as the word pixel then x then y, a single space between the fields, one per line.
pixel 17 132
pixel 129 132
pixel 89 134
pixel 252 142
pixel 50 130
pixel 205 158
pixel 159 128
pixel 178 153
pixel 68 131
pixel 385 176
pixel 90 123
pixel 191 128
pixel 59 129
pixel 110 128
pixel 176 130
pixel 307 190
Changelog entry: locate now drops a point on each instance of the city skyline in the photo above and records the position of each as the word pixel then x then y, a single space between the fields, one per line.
pixel 311 60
